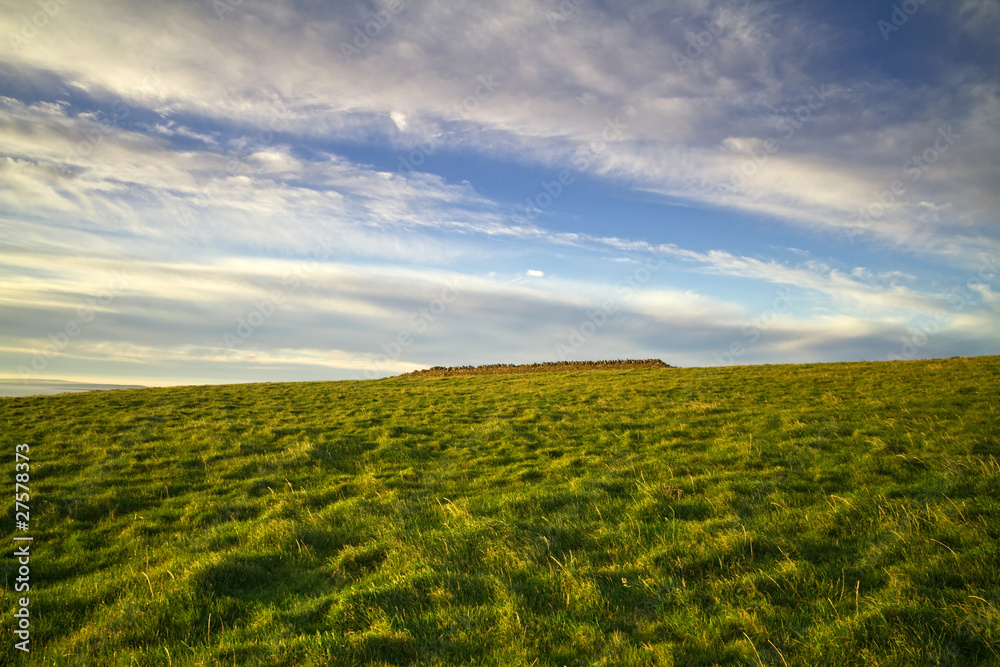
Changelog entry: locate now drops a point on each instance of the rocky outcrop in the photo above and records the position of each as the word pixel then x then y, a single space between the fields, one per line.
pixel 544 367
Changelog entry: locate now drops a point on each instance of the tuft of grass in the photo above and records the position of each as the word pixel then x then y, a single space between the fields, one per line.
pixel 825 514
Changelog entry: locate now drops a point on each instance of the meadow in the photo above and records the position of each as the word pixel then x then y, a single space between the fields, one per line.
pixel 826 514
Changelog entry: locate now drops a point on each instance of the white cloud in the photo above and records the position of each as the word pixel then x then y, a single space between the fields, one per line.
pixel 399 119
pixel 687 130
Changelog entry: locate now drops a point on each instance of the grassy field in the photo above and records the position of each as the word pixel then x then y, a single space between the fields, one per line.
pixel 833 514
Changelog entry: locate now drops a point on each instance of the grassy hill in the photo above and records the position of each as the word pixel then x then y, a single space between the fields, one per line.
pixel 831 514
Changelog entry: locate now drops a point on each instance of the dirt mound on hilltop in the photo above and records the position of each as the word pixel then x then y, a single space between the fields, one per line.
pixel 545 367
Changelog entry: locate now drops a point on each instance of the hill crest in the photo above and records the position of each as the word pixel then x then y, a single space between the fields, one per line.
pixel 542 367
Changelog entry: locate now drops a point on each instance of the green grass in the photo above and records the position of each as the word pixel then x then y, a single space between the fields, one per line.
pixel 833 514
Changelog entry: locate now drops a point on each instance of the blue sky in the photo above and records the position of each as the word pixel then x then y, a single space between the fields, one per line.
pixel 197 192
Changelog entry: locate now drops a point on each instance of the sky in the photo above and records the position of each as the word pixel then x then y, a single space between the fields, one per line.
pixel 220 191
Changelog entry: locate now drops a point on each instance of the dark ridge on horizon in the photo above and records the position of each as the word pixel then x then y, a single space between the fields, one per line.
pixel 543 367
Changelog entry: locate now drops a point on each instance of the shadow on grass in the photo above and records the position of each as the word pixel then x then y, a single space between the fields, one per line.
pixel 342 454
pixel 241 584
pixel 434 612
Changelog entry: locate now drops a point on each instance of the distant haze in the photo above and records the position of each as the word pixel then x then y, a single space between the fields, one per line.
pixel 48 387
